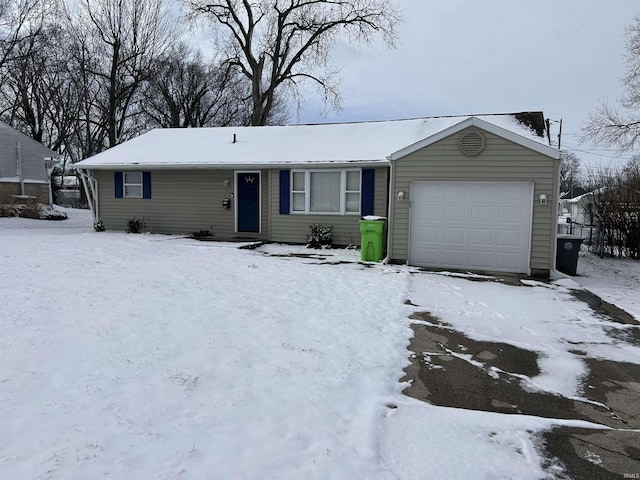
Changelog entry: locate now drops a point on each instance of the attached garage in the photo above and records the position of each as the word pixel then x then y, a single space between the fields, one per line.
pixel 471 225
pixel 475 197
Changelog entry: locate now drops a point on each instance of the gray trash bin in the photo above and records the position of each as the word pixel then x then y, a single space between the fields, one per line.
pixel 567 250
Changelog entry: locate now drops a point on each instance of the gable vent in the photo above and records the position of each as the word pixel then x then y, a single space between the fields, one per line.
pixel 472 143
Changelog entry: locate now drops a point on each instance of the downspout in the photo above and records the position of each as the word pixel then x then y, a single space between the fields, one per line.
pixel 48 167
pixel 19 167
pixel 390 206
pixel 88 182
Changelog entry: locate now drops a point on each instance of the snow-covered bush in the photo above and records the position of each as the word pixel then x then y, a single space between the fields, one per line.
pixel 320 236
pixel 8 210
pixel 51 212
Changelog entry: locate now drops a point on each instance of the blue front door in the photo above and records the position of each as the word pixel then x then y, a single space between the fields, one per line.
pixel 248 201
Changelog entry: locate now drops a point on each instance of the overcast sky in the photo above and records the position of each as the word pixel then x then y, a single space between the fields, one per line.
pixel 490 56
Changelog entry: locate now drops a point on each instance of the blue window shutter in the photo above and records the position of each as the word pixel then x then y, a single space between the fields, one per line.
pixel 118 183
pixel 368 188
pixel 146 184
pixel 285 190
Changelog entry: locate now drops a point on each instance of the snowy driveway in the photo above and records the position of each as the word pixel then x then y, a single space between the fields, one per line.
pixel 150 356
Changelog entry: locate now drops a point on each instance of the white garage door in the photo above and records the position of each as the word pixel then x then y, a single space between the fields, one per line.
pixel 471 225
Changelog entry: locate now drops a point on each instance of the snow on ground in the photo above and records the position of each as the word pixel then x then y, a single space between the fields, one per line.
pixel 543 318
pixel 149 356
pixel 616 280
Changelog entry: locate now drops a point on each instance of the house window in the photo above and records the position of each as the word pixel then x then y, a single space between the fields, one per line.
pixel 298 195
pixel 132 182
pixel 326 191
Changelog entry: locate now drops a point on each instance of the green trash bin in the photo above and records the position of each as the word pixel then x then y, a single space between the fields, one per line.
pixel 372 238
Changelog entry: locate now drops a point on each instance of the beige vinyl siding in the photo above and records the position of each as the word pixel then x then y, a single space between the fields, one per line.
pixel 501 160
pixel 182 201
pixel 294 228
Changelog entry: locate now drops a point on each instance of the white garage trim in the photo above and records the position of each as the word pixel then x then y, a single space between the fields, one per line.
pixel 471 225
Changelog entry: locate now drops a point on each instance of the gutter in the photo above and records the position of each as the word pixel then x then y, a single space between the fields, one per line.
pixel 91 189
pixel 231 166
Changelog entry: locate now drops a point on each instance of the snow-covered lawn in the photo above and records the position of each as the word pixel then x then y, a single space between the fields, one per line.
pixel 146 356
pixel 616 280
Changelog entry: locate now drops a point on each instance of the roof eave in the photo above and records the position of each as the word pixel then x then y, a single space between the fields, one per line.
pixel 232 166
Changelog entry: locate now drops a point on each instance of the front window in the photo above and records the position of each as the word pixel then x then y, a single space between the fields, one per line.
pixel 132 184
pixel 326 191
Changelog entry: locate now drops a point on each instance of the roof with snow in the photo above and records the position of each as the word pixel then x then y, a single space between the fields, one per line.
pixel 332 143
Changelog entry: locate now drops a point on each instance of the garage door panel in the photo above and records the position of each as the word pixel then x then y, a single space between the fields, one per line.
pixel 482 214
pixel 454 193
pixel 508 261
pixel 455 235
pixel 455 213
pixel 431 212
pixel 454 258
pixel 482 236
pixel 511 238
pixel 482 193
pixel 431 196
pixel 513 193
pixel 431 256
pixel 428 235
pixel 515 215
pixel 475 225
pixel 480 259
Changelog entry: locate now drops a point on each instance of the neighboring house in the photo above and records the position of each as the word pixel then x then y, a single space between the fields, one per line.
pixel 576 209
pixel 472 192
pixel 25 167
pixel 67 191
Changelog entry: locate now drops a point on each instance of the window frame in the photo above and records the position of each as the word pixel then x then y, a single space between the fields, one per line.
pixel 125 185
pixel 307 190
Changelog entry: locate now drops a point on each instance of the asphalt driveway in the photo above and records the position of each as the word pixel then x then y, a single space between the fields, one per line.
pixel 450 369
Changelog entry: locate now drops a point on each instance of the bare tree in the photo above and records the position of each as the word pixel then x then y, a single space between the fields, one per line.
pixel 116 44
pixel 569 172
pixel 620 127
pixel 35 96
pixel 19 20
pixel 614 207
pixel 280 44
pixel 185 91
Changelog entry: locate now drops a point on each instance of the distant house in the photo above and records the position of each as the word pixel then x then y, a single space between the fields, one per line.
pixel 575 209
pixel 468 192
pixel 25 166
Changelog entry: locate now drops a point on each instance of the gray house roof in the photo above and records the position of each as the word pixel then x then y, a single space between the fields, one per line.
pixel 338 143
